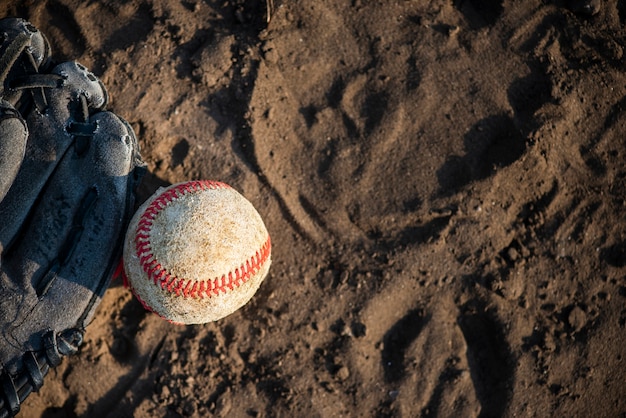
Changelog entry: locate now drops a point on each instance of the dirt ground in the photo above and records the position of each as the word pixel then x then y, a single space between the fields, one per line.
pixel 443 181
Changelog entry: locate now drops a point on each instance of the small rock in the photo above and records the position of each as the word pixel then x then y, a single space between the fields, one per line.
pixel 343 373
pixel 577 319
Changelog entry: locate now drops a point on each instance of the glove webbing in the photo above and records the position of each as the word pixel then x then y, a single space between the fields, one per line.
pixel 36 366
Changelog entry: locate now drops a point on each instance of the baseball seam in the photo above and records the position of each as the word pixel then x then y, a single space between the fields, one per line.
pixel 179 285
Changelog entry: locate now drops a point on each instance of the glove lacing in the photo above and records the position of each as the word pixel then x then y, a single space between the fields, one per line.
pixel 36 366
pixel 35 81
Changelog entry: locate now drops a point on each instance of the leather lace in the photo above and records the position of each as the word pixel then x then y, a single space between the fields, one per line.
pixel 15 389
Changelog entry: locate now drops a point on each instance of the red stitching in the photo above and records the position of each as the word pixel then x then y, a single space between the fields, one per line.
pixel 178 285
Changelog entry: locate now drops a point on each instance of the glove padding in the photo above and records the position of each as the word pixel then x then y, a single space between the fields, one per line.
pixel 68 170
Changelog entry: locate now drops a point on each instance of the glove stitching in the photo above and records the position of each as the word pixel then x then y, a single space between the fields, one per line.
pixel 190 288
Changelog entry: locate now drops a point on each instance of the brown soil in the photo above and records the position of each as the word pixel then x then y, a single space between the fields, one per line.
pixel 443 181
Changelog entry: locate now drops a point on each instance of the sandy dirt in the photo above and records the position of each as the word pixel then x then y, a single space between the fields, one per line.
pixel 443 181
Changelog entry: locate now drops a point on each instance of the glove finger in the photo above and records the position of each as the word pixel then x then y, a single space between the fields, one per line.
pixel 23 50
pixel 63 261
pixel 66 106
pixel 13 135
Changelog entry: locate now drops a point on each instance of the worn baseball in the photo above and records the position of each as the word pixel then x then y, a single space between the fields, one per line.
pixel 196 252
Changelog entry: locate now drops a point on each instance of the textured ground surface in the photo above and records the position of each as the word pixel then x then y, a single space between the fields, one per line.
pixel 443 181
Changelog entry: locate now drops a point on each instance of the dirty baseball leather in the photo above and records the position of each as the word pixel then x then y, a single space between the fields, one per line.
pixel 68 170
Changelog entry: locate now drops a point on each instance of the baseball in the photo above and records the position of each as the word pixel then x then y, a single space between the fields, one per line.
pixel 196 252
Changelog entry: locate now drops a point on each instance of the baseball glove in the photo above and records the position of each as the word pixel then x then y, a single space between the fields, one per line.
pixel 68 170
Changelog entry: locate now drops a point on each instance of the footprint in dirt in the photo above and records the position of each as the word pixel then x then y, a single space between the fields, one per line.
pixel 480 13
pixel 396 342
pixel 66 30
pixel 60 26
pixel 489 357
pixel 445 360
pixel 490 144
pixel 425 366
